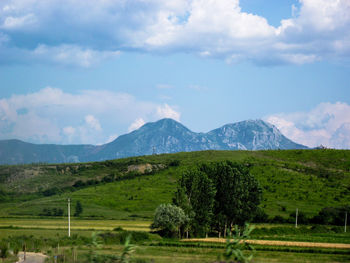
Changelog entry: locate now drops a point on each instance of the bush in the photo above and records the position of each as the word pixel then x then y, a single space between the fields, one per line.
pixel 3 250
pixel 78 209
pixel 169 219
pixel 52 212
pixel 260 216
pixel 331 216
pixel 121 236
pixel 52 191
pixel 320 229
pixel 279 220
pixel 302 219
pixel 174 163
pixel 109 178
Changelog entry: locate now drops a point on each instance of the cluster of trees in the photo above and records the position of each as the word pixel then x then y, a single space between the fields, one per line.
pixel 327 216
pixel 59 211
pixel 78 208
pixel 210 198
pixel 81 184
pixel 52 212
pixel 113 177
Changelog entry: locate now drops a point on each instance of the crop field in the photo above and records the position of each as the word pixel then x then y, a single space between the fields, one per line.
pixel 59 224
pixel 160 250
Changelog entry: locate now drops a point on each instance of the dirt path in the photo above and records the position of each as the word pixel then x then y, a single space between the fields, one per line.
pixel 274 243
pixel 31 257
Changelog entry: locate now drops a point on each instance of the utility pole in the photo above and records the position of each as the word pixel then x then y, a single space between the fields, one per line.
pixel 296 218
pixel 346 220
pixel 68 217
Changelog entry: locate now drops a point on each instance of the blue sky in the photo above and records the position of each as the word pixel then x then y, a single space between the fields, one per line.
pixel 88 71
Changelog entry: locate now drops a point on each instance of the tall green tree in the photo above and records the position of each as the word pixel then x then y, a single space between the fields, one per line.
pixel 195 194
pixel 238 194
pixel 78 208
pixel 181 200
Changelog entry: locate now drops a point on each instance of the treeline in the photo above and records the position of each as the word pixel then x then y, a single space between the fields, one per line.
pixel 52 212
pixel 79 184
pixel 326 216
pixel 59 211
pixel 210 198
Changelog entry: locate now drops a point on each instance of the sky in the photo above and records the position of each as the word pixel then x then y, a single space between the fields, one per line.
pixel 88 71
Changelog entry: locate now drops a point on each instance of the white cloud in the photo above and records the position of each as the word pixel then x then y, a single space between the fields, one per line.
pixel 327 124
pixel 138 123
pixel 93 122
pixel 69 133
pixel 51 115
pixel 11 22
pixel 69 130
pixel 318 30
pixel 165 111
pixel 341 137
pixel 71 55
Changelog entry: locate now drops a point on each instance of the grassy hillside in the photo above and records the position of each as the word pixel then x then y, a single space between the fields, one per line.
pixel 132 188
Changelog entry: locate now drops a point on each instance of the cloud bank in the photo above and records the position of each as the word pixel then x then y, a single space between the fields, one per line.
pixel 84 33
pixel 91 116
pixel 327 124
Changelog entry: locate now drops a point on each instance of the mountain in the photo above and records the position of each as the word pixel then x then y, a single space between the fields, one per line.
pixel 163 136
pixel 18 152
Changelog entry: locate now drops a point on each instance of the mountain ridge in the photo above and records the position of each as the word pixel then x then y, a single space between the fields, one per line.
pixel 165 136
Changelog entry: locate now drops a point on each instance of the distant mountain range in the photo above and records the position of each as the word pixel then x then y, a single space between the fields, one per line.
pixel 163 136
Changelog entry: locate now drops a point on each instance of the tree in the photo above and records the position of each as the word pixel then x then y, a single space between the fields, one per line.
pixel 181 200
pixel 238 193
pixel 169 218
pixel 202 202
pixel 218 195
pixel 78 208
pixel 195 194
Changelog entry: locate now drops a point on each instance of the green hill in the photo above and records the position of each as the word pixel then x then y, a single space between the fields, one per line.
pixel 132 188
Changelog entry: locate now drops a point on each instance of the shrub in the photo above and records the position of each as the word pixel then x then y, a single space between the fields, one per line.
pixel 331 216
pixel 52 191
pixel 260 216
pixel 121 237
pixel 302 219
pixel 278 220
pixel 169 219
pixel 79 183
pixel 234 247
pixel 3 250
pixel 78 208
pixel 174 163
